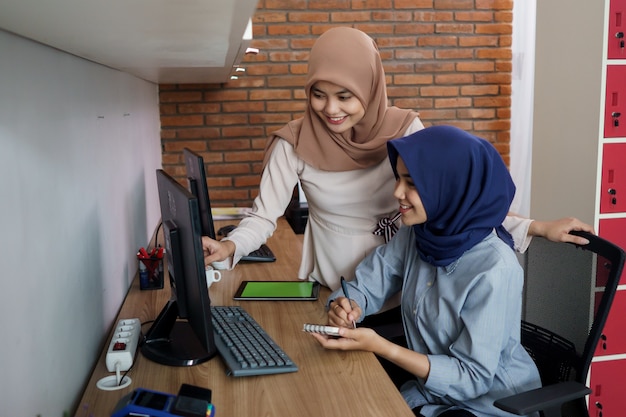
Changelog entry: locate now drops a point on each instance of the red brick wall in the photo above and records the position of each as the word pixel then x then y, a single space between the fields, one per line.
pixel 448 59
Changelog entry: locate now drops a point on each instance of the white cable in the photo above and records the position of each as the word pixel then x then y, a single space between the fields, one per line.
pixel 118 377
pixel 114 382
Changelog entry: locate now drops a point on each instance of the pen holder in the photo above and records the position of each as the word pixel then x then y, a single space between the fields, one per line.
pixel 150 273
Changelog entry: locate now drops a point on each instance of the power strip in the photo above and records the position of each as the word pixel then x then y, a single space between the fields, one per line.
pixel 123 345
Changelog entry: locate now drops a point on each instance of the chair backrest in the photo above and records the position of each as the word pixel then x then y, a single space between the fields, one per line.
pixel 610 260
pixel 556 356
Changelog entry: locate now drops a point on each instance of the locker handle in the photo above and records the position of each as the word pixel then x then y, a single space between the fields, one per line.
pixel 620 36
pixel 613 191
pixel 615 115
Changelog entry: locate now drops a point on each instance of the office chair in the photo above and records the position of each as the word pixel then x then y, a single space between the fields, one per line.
pixel 555 356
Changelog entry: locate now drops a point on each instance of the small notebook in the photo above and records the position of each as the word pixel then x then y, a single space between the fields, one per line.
pixel 318 328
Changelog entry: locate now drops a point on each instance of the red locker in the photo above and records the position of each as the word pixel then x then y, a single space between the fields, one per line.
pixel 613 182
pixel 613 230
pixel 607 384
pixel 615 43
pixel 615 102
pixel 613 341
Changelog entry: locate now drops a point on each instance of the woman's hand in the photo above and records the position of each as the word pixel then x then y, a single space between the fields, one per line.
pixel 352 339
pixel 558 230
pixel 215 251
pixel 343 313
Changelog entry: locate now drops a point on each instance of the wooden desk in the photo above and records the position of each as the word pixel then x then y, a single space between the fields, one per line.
pixel 328 383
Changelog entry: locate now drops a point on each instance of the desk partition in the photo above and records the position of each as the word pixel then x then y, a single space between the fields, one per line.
pixel 328 383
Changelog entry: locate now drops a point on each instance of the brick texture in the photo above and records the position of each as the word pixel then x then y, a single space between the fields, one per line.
pixel 450 60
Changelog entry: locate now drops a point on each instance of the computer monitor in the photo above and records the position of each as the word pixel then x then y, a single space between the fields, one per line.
pixel 196 180
pixel 182 334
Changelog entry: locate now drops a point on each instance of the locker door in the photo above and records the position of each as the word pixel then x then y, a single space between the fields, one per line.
pixel 613 182
pixel 613 339
pixel 613 230
pixel 617 14
pixel 615 102
pixel 607 398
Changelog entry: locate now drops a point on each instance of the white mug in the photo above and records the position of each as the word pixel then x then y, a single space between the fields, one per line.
pixel 212 275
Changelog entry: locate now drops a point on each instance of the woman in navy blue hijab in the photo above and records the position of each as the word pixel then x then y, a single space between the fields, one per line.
pixel 460 280
pixel 464 186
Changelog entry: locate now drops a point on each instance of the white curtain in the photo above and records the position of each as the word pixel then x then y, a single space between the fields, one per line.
pixel 523 48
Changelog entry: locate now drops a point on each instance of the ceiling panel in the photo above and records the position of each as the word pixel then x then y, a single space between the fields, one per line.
pixel 163 41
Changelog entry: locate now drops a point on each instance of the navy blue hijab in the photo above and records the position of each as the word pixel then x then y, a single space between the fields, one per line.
pixel 464 185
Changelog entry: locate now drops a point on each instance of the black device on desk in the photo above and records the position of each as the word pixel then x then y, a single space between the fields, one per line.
pixel 182 334
pixel 191 401
pixel 262 254
pixel 196 178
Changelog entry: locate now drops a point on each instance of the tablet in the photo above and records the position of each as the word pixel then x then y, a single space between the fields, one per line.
pixel 278 290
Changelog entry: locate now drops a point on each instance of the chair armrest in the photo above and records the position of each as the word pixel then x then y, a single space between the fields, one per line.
pixel 544 398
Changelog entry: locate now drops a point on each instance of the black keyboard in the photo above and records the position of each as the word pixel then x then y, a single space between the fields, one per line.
pixel 244 346
pixel 263 254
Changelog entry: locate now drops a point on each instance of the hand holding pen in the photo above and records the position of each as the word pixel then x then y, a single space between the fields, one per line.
pixel 352 310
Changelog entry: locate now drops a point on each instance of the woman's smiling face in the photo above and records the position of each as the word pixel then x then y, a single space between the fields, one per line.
pixel 337 107
pixel 411 206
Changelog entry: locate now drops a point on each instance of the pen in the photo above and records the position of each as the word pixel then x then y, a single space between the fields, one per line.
pixel 344 287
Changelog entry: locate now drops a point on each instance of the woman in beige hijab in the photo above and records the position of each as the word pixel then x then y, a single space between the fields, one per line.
pixel 338 152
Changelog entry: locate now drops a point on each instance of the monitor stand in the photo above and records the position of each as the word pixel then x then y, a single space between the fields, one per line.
pixel 173 342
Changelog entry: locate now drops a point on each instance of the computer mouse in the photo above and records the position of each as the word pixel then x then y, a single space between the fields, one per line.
pixel 224 231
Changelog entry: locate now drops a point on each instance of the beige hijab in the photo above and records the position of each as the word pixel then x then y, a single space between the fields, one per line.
pixel 349 58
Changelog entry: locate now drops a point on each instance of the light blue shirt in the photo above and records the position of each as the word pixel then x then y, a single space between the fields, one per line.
pixel 465 317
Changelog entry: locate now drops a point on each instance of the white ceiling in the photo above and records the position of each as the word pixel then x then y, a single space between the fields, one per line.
pixel 163 41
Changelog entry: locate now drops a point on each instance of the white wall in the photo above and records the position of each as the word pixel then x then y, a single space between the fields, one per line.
pixel 79 145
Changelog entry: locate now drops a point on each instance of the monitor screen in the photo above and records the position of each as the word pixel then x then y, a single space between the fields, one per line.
pixel 182 334
pixel 196 180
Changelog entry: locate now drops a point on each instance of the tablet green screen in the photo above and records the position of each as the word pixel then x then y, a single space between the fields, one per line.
pixel 278 289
